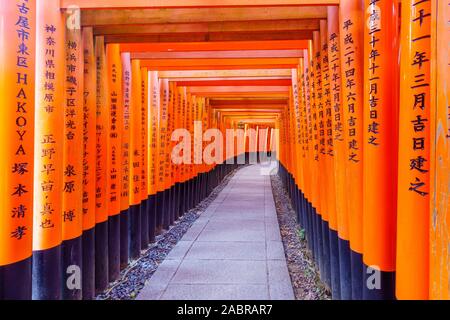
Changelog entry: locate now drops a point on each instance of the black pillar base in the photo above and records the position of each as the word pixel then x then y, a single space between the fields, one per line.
pixel 72 262
pixel 47 274
pixel 124 239
pixel 135 232
pixel 15 280
pixel 159 212
pixel 326 254
pixel 88 270
pixel 345 269
pixel 144 225
pixel 151 209
pixel 165 209
pixel 114 247
pixel 101 257
pixel 334 263
pixel 357 275
pixel 379 286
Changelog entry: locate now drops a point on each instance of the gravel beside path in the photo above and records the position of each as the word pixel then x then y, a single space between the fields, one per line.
pixel 304 276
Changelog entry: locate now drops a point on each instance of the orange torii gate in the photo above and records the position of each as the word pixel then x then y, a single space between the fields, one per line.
pixel 94 101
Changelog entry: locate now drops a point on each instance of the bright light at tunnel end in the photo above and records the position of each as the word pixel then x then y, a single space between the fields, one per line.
pixel 239 146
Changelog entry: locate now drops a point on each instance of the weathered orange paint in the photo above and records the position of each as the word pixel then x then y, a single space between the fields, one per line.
pixel 89 128
pixel 351 25
pixel 73 136
pixel 214 46
pixel 115 123
pixel 101 164
pixel 125 132
pixel 440 153
pixel 380 135
pixel 48 128
pixel 412 257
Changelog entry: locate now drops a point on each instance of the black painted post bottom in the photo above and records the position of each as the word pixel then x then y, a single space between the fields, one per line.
pixel 144 225
pixel 151 209
pixel 334 262
pixel 88 270
pixel 378 285
pixel 317 240
pixel 357 275
pixel 47 274
pixel 165 210
pixel 101 257
pixel 345 269
pixel 15 280
pixel 177 210
pixel 135 232
pixel 114 247
pixel 326 253
pixel 171 205
pixel 72 264
pixel 124 238
pixel 159 212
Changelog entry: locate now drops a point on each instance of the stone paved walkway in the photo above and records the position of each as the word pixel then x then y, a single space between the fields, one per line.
pixel 233 251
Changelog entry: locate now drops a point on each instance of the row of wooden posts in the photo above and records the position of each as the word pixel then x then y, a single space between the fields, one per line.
pixel 365 149
pixel 87 176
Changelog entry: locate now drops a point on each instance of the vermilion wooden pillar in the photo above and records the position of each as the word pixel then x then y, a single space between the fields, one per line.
pixel 351 28
pixel 17 84
pixel 381 70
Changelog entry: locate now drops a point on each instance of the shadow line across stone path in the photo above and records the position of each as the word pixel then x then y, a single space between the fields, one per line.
pixel 232 252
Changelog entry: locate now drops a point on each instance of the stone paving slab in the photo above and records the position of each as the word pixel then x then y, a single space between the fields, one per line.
pixel 232 252
pixel 221 271
pixel 216 292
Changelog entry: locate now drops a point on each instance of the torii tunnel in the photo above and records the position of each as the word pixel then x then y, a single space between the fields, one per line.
pixel 108 111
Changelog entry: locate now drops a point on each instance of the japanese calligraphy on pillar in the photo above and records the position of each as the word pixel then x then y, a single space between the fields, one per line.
pixel 162 139
pixel 381 79
pixel 101 203
pixel 17 40
pixel 351 44
pixel 115 113
pixel 177 115
pixel 135 133
pixel 319 107
pixel 339 145
pixel 296 94
pixel 414 152
pixel 350 94
pixel 205 127
pixel 73 136
pixel 304 95
pixel 22 166
pixel 89 127
pixel 168 143
pixel 440 152
pixel 126 92
pixel 308 93
pixel 153 130
pixel 182 97
pixel 48 126
pixel 144 132
pixel 419 85
pixel 335 87
pixel 327 142
pixel 374 22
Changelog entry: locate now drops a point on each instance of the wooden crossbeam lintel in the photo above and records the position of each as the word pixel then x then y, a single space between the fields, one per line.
pixel 102 4
pixel 219 54
pixel 215 46
pixel 143 16
pixel 209 27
